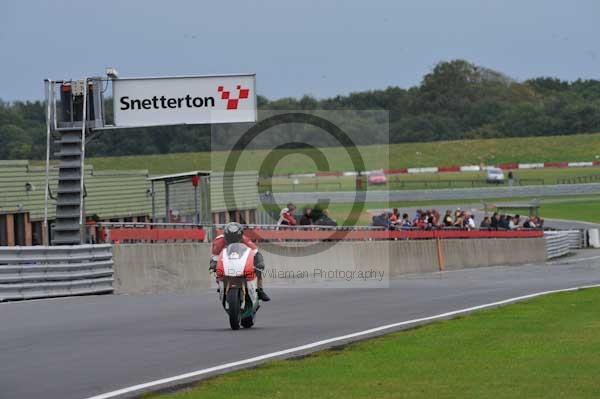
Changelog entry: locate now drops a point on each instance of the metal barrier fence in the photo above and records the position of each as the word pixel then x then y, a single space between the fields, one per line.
pixel 560 243
pixel 557 244
pixel 579 179
pixel 44 272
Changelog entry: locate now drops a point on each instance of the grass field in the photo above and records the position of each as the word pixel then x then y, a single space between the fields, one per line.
pixel 543 348
pixel 588 211
pixel 582 147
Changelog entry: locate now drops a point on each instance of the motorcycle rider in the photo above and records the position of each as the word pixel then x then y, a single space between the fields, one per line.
pixel 234 233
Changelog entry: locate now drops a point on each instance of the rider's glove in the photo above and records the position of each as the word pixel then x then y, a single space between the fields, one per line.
pixel 213 263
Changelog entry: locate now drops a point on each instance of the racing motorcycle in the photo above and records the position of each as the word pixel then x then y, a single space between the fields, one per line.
pixel 236 279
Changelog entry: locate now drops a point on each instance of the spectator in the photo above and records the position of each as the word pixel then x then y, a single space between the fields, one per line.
pixel 503 222
pixel 286 216
pixel 406 224
pixel 460 220
pixel 306 218
pixel 448 218
pixel 325 220
pixel 517 221
pixel 457 213
pixel 511 223
pixel 495 222
pixel 417 217
pixel 486 223
pixel 510 178
pixel 470 221
pixel 395 216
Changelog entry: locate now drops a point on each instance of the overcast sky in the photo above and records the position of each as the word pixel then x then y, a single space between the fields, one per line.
pixel 322 48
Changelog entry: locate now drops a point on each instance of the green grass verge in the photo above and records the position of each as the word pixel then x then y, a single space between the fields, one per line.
pixel 581 147
pixel 588 211
pixel 543 348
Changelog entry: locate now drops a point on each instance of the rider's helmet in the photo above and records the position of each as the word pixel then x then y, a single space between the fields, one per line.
pixel 233 233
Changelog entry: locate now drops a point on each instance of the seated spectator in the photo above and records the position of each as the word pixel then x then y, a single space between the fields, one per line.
pixel 395 216
pixel 405 224
pixel 448 222
pixel 495 221
pixel 511 223
pixel 460 220
pixel 417 217
pixel 517 221
pixel 286 216
pixel 422 222
pixel 503 222
pixel 306 218
pixel 486 223
pixel 325 220
pixel 470 221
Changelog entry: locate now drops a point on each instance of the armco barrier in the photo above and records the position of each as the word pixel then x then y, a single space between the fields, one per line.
pixel 557 244
pixel 43 272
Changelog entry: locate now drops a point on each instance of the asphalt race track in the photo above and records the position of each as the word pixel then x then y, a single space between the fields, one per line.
pixel 80 347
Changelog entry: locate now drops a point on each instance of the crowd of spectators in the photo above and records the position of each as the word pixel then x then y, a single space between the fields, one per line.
pixel 431 219
pixel 309 217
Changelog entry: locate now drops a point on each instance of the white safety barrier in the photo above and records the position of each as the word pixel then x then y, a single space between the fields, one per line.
pixel 580 164
pixel 557 244
pixel 594 238
pixel 429 169
pixel 531 166
pixel 44 272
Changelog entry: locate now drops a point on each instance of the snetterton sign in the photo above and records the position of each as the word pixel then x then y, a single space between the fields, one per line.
pixel 184 100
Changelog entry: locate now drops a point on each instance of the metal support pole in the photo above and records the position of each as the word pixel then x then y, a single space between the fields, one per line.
pixel 167 204
pixel 83 129
pixel 197 218
pixel 153 201
pixel 49 102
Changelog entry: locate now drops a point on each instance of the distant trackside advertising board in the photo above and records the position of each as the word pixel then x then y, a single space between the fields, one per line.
pixel 184 100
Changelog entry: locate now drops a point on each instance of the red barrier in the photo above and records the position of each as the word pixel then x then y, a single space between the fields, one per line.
pixel 508 166
pixel 395 171
pixel 449 169
pixel 366 235
pixel 146 234
pixel 556 164
pixel 596 163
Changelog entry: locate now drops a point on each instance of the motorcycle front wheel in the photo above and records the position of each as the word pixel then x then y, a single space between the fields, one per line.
pixel 235 311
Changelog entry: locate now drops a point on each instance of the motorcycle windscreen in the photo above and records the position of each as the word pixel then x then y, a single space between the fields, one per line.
pixel 237 259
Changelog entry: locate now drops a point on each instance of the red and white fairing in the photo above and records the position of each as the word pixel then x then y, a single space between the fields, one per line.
pixel 236 260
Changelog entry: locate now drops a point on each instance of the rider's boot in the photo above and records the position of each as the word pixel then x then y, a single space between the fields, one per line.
pixel 262 295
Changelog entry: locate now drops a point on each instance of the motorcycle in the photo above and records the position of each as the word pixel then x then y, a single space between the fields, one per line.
pixel 237 283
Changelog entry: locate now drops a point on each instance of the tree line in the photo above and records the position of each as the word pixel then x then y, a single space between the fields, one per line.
pixel 455 100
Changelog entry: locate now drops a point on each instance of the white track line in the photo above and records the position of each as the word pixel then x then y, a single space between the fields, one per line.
pixel 252 360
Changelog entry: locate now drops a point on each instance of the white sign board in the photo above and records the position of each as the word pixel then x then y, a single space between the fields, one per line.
pixel 184 100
